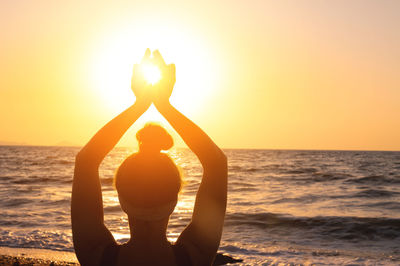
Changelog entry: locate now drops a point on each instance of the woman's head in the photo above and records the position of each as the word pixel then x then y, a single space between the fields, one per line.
pixel 149 180
pixel 154 138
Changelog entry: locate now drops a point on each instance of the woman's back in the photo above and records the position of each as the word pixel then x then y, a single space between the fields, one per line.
pixel 168 255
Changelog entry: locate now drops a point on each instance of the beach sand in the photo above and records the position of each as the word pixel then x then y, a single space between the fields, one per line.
pixel 10 260
pixel 25 256
pixel 29 256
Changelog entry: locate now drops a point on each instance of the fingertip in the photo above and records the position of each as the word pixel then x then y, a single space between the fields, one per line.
pixel 156 52
pixel 158 57
pixel 147 55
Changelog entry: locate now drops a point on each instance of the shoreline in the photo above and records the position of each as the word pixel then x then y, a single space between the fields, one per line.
pixel 31 256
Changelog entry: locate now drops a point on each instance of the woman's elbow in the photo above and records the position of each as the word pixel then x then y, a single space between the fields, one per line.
pixel 86 159
pixel 81 158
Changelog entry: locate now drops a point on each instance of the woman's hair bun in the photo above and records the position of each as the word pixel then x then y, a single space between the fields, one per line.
pixel 155 137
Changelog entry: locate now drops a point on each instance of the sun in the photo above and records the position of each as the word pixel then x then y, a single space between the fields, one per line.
pixel 150 72
pixel 115 52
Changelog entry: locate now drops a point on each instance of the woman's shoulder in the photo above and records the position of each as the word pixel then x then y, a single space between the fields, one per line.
pixel 192 252
pixel 110 254
pixel 181 254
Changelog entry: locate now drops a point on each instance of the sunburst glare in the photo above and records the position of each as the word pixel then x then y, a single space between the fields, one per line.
pixel 115 53
pixel 150 72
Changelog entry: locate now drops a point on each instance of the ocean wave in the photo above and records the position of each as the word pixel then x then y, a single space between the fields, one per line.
pixel 235 186
pixel 14 202
pixel 40 180
pixel 240 168
pixel 107 181
pixel 309 178
pixel 19 223
pixel 375 193
pixel 57 203
pixel 348 228
pixel 112 209
pixel 375 180
pixel 66 162
pixel 244 169
pixel 389 205
pixel 54 240
pixel 297 171
pixel 304 199
pixel 32 180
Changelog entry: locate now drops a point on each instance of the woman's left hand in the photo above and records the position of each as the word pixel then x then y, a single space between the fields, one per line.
pixel 140 87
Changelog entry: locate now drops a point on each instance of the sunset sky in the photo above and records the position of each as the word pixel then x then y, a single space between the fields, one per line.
pixel 252 74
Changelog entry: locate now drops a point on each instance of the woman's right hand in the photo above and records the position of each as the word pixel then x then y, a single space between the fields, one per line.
pixel 162 90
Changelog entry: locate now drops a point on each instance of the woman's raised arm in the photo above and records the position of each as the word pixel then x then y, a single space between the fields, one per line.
pixel 204 232
pixel 90 235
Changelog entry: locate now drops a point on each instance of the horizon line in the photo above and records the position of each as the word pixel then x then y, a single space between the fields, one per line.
pixel 183 147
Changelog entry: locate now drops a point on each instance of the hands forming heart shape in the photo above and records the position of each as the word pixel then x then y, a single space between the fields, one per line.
pixel 150 90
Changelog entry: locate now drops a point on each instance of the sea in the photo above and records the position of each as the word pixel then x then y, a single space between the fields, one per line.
pixel 285 207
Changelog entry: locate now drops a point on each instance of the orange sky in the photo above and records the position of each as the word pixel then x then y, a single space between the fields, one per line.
pixel 252 74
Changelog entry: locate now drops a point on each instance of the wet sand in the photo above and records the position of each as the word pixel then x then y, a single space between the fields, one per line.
pixel 10 260
pixel 24 256
pixel 36 257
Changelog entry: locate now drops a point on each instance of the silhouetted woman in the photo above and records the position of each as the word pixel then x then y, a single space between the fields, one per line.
pixel 148 183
